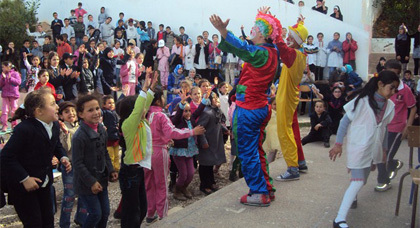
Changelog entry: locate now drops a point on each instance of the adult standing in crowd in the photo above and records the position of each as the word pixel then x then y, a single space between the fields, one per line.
pixel 416 50
pixel 201 58
pixel 67 29
pixel 56 25
pixel 402 47
pixel 337 13
pixel 39 34
pixel 189 55
pixel 335 51
pixel 321 57
pixel 107 31
pixel 320 7
pixel 349 49
pixel 79 11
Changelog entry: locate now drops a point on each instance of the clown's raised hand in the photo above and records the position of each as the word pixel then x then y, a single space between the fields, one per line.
pixel 264 10
pixel 219 24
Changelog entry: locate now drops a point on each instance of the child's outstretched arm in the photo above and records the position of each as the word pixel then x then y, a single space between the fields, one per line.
pixel 132 122
pixel 341 132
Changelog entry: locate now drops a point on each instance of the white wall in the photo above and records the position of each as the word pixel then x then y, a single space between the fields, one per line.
pixel 194 14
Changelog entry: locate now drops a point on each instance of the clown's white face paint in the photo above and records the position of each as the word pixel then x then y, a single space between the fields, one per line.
pixel 254 32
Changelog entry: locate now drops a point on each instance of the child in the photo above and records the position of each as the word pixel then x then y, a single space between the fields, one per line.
pixel 197 79
pixel 320 123
pixel 136 152
pixel 174 82
pixel 43 78
pixel 155 178
pixel 381 65
pixel 405 106
pixel 211 145
pixel 108 65
pixel 9 84
pixel 57 78
pixel 92 165
pixel 409 81
pixel 110 121
pixel 69 126
pixel 183 150
pixel 27 156
pixel 118 55
pixel 162 55
pixel 271 143
pixel 102 16
pixel 353 82
pixel 336 102
pixel 371 108
pixel 32 71
pixel 195 98
pixel 130 72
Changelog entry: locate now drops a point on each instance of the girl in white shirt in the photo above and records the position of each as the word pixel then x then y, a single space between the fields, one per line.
pixel 365 122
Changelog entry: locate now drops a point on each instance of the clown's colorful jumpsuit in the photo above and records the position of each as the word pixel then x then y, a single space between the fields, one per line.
pixel 252 111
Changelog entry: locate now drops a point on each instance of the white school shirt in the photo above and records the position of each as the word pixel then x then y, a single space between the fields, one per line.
pixel 321 55
pixel 364 136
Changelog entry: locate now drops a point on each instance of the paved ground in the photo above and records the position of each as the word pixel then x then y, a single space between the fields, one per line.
pixel 312 201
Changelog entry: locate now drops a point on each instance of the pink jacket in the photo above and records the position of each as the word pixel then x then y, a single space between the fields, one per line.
pixel 162 128
pixel 124 72
pixel 349 50
pixel 163 55
pixel 10 85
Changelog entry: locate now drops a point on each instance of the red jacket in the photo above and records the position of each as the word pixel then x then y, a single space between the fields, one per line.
pixel 39 85
pixel 61 49
pixel 349 50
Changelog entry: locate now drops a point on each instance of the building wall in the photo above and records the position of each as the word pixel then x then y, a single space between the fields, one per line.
pixel 194 14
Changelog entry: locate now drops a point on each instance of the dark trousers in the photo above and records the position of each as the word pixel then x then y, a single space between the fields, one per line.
pixel 97 208
pixel 144 45
pixel 206 176
pixel 323 134
pixel 394 142
pixel 173 172
pixel 35 209
pixel 319 73
pixel 416 66
pixel 134 202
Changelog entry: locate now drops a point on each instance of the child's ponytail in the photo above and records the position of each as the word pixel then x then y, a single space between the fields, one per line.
pixel 33 100
pixel 386 77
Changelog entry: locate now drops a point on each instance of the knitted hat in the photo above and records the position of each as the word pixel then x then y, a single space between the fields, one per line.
pixel 270 27
pixel 299 32
pixel 161 43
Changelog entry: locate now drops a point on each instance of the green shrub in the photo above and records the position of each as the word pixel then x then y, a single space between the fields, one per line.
pixel 13 16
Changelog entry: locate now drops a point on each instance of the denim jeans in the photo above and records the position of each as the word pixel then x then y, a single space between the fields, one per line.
pixel 97 208
pixel 23 72
pixel 117 74
pixel 68 201
pixel 79 40
pixel 134 201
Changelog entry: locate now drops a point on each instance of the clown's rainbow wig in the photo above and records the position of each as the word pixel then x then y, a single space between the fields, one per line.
pixel 270 27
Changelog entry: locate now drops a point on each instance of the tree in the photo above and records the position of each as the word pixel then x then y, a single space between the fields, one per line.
pixel 13 16
pixel 394 13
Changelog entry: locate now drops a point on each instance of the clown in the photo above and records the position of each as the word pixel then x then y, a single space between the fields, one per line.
pixel 252 112
pixel 294 63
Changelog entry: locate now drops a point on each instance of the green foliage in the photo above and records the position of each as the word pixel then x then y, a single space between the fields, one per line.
pixel 13 16
pixel 394 13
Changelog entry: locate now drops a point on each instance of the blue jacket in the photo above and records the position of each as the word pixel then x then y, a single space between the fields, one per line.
pixel 354 79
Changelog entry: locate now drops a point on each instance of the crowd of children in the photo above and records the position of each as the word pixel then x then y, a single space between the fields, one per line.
pixel 175 114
